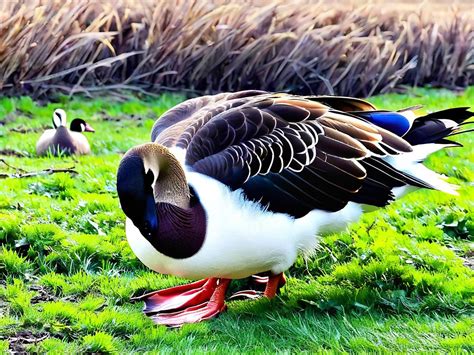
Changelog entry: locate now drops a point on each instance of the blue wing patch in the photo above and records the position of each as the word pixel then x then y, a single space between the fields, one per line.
pixel 391 121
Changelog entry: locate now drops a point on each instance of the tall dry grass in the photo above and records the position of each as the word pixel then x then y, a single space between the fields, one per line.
pixel 210 46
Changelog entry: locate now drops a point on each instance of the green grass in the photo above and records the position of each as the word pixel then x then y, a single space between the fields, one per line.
pixel 395 281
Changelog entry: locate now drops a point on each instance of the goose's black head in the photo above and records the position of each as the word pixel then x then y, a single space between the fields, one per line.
pixel 135 191
pixel 79 125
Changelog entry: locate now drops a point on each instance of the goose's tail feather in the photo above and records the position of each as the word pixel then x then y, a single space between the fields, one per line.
pixel 436 127
pixel 427 135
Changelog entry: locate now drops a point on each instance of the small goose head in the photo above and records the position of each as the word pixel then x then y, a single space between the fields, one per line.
pixel 59 118
pixel 149 174
pixel 79 125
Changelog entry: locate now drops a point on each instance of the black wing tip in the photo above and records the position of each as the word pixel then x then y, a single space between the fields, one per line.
pixel 456 114
pixel 449 143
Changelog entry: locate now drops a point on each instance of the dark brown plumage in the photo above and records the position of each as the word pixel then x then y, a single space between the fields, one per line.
pixel 292 153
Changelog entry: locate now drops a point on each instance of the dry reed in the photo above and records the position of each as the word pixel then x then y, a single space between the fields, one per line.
pixel 203 46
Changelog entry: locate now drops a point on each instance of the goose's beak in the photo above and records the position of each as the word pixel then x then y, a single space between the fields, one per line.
pixel 89 128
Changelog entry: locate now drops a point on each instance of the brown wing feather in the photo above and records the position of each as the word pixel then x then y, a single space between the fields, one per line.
pixel 346 104
pixel 292 153
pixel 195 113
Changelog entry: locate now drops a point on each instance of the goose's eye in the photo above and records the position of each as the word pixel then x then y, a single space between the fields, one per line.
pixel 149 178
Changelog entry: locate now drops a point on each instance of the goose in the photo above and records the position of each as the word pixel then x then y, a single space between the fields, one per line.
pixel 60 140
pixel 239 184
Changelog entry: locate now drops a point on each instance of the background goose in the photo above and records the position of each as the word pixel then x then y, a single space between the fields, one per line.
pixel 64 141
pixel 239 184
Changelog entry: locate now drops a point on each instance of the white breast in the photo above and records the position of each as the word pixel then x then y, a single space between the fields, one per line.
pixel 242 238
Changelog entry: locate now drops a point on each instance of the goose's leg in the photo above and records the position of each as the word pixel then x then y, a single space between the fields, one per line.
pixel 273 285
pixel 260 280
pixel 178 297
pixel 208 309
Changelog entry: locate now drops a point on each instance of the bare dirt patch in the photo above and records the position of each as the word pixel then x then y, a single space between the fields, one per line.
pixel 20 340
pixel 12 153
pixel 469 259
pixel 23 129
pixel 42 295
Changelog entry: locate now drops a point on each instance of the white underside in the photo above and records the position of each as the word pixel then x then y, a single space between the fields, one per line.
pixel 242 237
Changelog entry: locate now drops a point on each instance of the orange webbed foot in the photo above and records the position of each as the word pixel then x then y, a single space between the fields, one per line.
pixel 190 303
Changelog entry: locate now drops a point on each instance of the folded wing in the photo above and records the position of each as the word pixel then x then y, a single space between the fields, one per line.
pixel 296 154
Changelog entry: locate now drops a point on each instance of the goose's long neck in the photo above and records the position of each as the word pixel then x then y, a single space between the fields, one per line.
pixel 181 231
pixel 169 185
pixel 63 139
pixel 181 224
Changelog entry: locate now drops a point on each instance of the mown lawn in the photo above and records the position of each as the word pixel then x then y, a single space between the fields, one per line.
pixel 399 280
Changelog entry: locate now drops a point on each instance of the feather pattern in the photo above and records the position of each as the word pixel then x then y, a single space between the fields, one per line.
pixel 293 154
pixel 262 173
